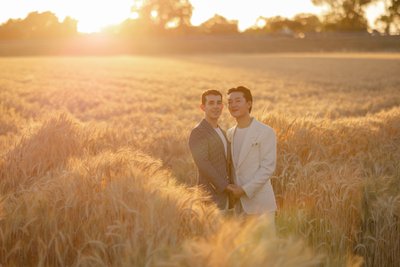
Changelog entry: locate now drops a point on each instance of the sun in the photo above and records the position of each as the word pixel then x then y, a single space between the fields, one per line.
pixel 93 17
pixel 92 25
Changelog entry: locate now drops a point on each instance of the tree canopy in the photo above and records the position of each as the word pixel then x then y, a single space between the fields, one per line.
pixel 219 25
pixel 298 26
pixel 391 19
pixel 38 25
pixel 345 15
pixel 162 14
pixel 158 17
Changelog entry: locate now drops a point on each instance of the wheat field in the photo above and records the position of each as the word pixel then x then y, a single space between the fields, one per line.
pixel 95 168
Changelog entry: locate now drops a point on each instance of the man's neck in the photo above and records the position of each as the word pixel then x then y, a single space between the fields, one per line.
pixel 213 123
pixel 244 122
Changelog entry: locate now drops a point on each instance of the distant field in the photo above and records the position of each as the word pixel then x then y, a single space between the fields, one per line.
pixel 202 44
pixel 95 167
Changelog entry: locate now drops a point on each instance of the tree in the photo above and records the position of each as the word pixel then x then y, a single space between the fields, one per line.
pixel 345 15
pixel 38 25
pixel 274 25
pixel 391 19
pixel 219 25
pixel 11 29
pixel 69 27
pixel 163 14
pixel 305 23
pixel 297 27
pixel 278 24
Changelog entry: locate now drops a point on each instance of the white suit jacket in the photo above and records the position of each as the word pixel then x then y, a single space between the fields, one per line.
pixel 255 166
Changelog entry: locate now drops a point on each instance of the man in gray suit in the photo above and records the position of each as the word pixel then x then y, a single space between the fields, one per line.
pixel 210 149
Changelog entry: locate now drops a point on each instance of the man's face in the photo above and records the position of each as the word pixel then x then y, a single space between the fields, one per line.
pixel 213 106
pixel 238 105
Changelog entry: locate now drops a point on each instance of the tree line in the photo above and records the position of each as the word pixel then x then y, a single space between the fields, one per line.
pixel 172 17
pixel 38 26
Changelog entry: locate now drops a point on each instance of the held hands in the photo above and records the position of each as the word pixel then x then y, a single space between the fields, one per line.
pixel 235 190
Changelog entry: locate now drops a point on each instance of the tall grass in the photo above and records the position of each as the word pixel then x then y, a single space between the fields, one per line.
pixel 118 208
pixel 338 185
pixel 95 167
pixel 73 205
pixel 253 243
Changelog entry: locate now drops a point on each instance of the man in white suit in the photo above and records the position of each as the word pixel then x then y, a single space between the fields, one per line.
pixel 253 148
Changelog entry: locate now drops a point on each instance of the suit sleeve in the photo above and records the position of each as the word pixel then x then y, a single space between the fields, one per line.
pixel 199 148
pixel 266 166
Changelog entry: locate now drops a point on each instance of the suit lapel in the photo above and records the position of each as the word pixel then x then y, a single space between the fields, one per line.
pixel 249 140
pixel 214 134
pixel 227 144
pixel 231 134
pixel 228 156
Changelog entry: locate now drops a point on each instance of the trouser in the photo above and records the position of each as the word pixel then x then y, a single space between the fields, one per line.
pixel 270 215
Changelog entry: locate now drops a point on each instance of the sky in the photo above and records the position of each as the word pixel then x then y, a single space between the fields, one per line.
pixel 107 12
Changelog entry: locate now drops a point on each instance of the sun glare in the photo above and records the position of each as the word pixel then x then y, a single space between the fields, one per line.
pixel 261 23
pixel 92 17
pixel 172 24
pixel 154 14
pixel 134 15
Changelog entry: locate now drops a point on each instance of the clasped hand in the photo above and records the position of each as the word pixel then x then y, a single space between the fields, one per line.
pixel 236 190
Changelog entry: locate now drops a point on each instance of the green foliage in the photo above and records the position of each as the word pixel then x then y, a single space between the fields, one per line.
pixel 219 25
pixel 298 26
pixel 38 26
pixel 158 13
pixel 345 15
pixel 391 19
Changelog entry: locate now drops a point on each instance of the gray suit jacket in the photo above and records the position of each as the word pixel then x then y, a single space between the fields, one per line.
pixel 213 166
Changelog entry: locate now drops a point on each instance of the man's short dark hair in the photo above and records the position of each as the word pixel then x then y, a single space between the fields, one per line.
pixel 246 93
pixel 209 92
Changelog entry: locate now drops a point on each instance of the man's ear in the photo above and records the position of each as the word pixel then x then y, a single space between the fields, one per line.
pixel 202 106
